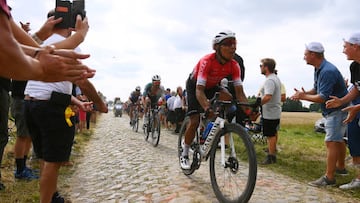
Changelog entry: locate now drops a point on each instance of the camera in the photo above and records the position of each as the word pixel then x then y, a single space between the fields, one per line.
pixel 68 10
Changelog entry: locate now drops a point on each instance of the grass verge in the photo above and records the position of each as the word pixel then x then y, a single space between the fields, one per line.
pixel 21 191
pixel 302 156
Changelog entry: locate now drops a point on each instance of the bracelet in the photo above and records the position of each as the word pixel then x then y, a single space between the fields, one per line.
pixel 48 49
pixel 36 38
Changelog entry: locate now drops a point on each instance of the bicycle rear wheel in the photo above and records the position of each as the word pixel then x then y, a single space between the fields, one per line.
pixel 155 130
pixel 234 180
pixel 194 155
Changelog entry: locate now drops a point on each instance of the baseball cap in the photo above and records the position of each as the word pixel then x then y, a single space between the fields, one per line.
pixel 315 47
pixel 353 38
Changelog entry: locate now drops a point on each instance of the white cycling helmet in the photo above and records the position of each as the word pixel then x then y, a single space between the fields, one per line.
pixel 223 35
pixel 156 78
pixel 137 88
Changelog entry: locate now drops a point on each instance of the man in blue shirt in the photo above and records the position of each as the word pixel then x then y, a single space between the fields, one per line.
pixel 328 81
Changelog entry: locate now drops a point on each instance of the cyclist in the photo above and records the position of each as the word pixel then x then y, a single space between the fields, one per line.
pixel 152 93
pixel 135 101
pixel 203 83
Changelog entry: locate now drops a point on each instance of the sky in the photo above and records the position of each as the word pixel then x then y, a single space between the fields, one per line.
pixel 130 41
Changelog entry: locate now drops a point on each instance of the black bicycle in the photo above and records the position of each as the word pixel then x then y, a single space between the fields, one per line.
pixel 233 165
pixel 152 127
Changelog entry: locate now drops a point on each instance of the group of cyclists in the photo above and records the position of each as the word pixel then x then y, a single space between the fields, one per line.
pixel 203 82
pixel 150 97
pixel 201 85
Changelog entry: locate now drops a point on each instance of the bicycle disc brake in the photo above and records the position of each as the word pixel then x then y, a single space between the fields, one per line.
pixel 196 159
pixel 233 164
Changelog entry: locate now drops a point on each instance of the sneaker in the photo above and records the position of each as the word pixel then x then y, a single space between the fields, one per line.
pixel 26 174
pixel 57 198
pixel 322 181
pixel 342 172
pixel 34 171
pixel 352 185
pixel 184 162
pixel 270 159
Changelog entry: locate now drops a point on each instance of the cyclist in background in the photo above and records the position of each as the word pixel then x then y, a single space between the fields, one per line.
pixel 135 101
pixel 203 83
pixel 152 93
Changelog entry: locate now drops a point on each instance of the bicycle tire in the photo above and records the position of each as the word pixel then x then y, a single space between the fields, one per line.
pixel 137 124
pixel 194 156
pixel 146 130
pixel 239 173
pixel 155 131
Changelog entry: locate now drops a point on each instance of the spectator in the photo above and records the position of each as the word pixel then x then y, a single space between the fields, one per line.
pixel 4 113
pixel 45 106
pixel 271 107
pixel 171 116
pixel 352 52
pixel 327 81
pixel 179 108
pixel 23 141
pixel 44 64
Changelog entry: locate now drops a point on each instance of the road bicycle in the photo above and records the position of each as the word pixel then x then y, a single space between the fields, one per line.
pixel 152 127
pixel 233 165
pixel 135 118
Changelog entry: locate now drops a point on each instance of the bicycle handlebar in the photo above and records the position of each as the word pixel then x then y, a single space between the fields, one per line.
pixel 214 102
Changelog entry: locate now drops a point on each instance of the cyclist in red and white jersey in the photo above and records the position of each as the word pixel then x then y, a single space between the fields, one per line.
pixel 203 83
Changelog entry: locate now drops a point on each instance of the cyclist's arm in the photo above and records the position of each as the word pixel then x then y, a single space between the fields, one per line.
pixel 240 95
pixel 201 97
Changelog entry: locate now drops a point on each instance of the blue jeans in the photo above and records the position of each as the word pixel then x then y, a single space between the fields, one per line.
pixel 354 137
pixel 334 127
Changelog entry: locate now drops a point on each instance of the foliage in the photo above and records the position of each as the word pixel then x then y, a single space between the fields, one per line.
pixel 315 107
pixel 293 106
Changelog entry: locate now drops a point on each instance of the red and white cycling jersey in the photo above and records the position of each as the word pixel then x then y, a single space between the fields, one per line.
pixel 209 72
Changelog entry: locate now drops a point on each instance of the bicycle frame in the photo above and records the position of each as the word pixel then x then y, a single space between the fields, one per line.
pixel 205 148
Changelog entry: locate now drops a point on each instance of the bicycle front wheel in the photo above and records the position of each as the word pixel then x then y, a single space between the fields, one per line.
pixel 146 130
pixel 135 122
pixel 155 131
pixel 233 173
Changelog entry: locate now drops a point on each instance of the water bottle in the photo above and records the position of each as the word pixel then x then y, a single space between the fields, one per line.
pixel 207 130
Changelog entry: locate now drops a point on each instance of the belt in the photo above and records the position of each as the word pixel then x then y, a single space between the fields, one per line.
pixel 28 98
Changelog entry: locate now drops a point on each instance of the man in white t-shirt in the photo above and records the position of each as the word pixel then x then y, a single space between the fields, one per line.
pixel 271 107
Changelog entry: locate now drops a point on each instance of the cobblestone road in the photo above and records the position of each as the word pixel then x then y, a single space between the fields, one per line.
pixel 119 166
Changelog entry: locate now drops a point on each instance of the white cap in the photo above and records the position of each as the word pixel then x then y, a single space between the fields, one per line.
pixel 315 47
pixel 353 38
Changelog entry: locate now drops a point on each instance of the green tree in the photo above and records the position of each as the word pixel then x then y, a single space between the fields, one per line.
pixel 293 106
pixel 315 107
